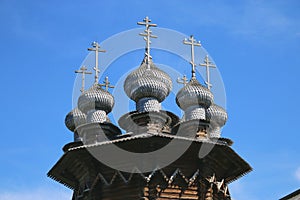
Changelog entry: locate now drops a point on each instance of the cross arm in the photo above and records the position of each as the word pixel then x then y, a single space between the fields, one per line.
pixel 207 65
pixel 94 49
pixel 146 24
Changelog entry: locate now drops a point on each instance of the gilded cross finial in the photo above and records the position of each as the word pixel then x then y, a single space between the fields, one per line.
pixel 147 35
pixel 191 41
pixel 82 71
pixel 208 64
pixel 106 83
pixel 182 80
pixel 96 48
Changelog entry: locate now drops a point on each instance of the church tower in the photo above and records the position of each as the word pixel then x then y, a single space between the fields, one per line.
pixel 93 170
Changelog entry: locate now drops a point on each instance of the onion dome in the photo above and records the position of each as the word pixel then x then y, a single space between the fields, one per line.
pixel 144 82
pixel 217 117
pixel 217 114
pixel 75 118
pixel 96 103
pixel 194 98
pixel 192 94
pixel 96 98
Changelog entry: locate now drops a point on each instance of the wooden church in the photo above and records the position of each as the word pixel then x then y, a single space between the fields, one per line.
pixel 161 156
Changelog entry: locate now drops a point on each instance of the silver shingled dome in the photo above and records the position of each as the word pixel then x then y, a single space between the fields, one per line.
pixel 193 94
pixel 143 82
pixel 217 115
pixel 96 98
pixel 75 118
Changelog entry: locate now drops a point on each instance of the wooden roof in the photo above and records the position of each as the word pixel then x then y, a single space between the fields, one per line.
pixel 222 161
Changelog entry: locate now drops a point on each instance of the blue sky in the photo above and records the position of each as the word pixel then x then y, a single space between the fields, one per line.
pixel 255 44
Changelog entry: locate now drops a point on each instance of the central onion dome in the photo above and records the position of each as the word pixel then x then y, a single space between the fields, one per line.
pixel 194 98
pixel 148 86
pixel 96 103
pixel 217 117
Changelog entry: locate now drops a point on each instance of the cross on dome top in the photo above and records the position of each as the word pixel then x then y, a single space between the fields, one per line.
pixel 82 71
pixel 96 48
pixel 147 35
pixel 182 80
pixel 106 83
pixel 192 42
pixel 208 64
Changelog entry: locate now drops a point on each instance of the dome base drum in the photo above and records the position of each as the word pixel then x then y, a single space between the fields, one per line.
pixel 191 129
pixel 92 133
pixel 144 122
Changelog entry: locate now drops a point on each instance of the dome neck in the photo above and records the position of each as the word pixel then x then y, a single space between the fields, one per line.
pixel 214 132
pixel 96 116
pixel 148 104
pixel 195 112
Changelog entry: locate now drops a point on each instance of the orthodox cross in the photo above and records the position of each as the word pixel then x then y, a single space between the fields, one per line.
pixel 147 35
pixel 182 80
pixel 106 83
pixel 191 41
pixel 207 63
pixel 96 48
pixel 82 71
